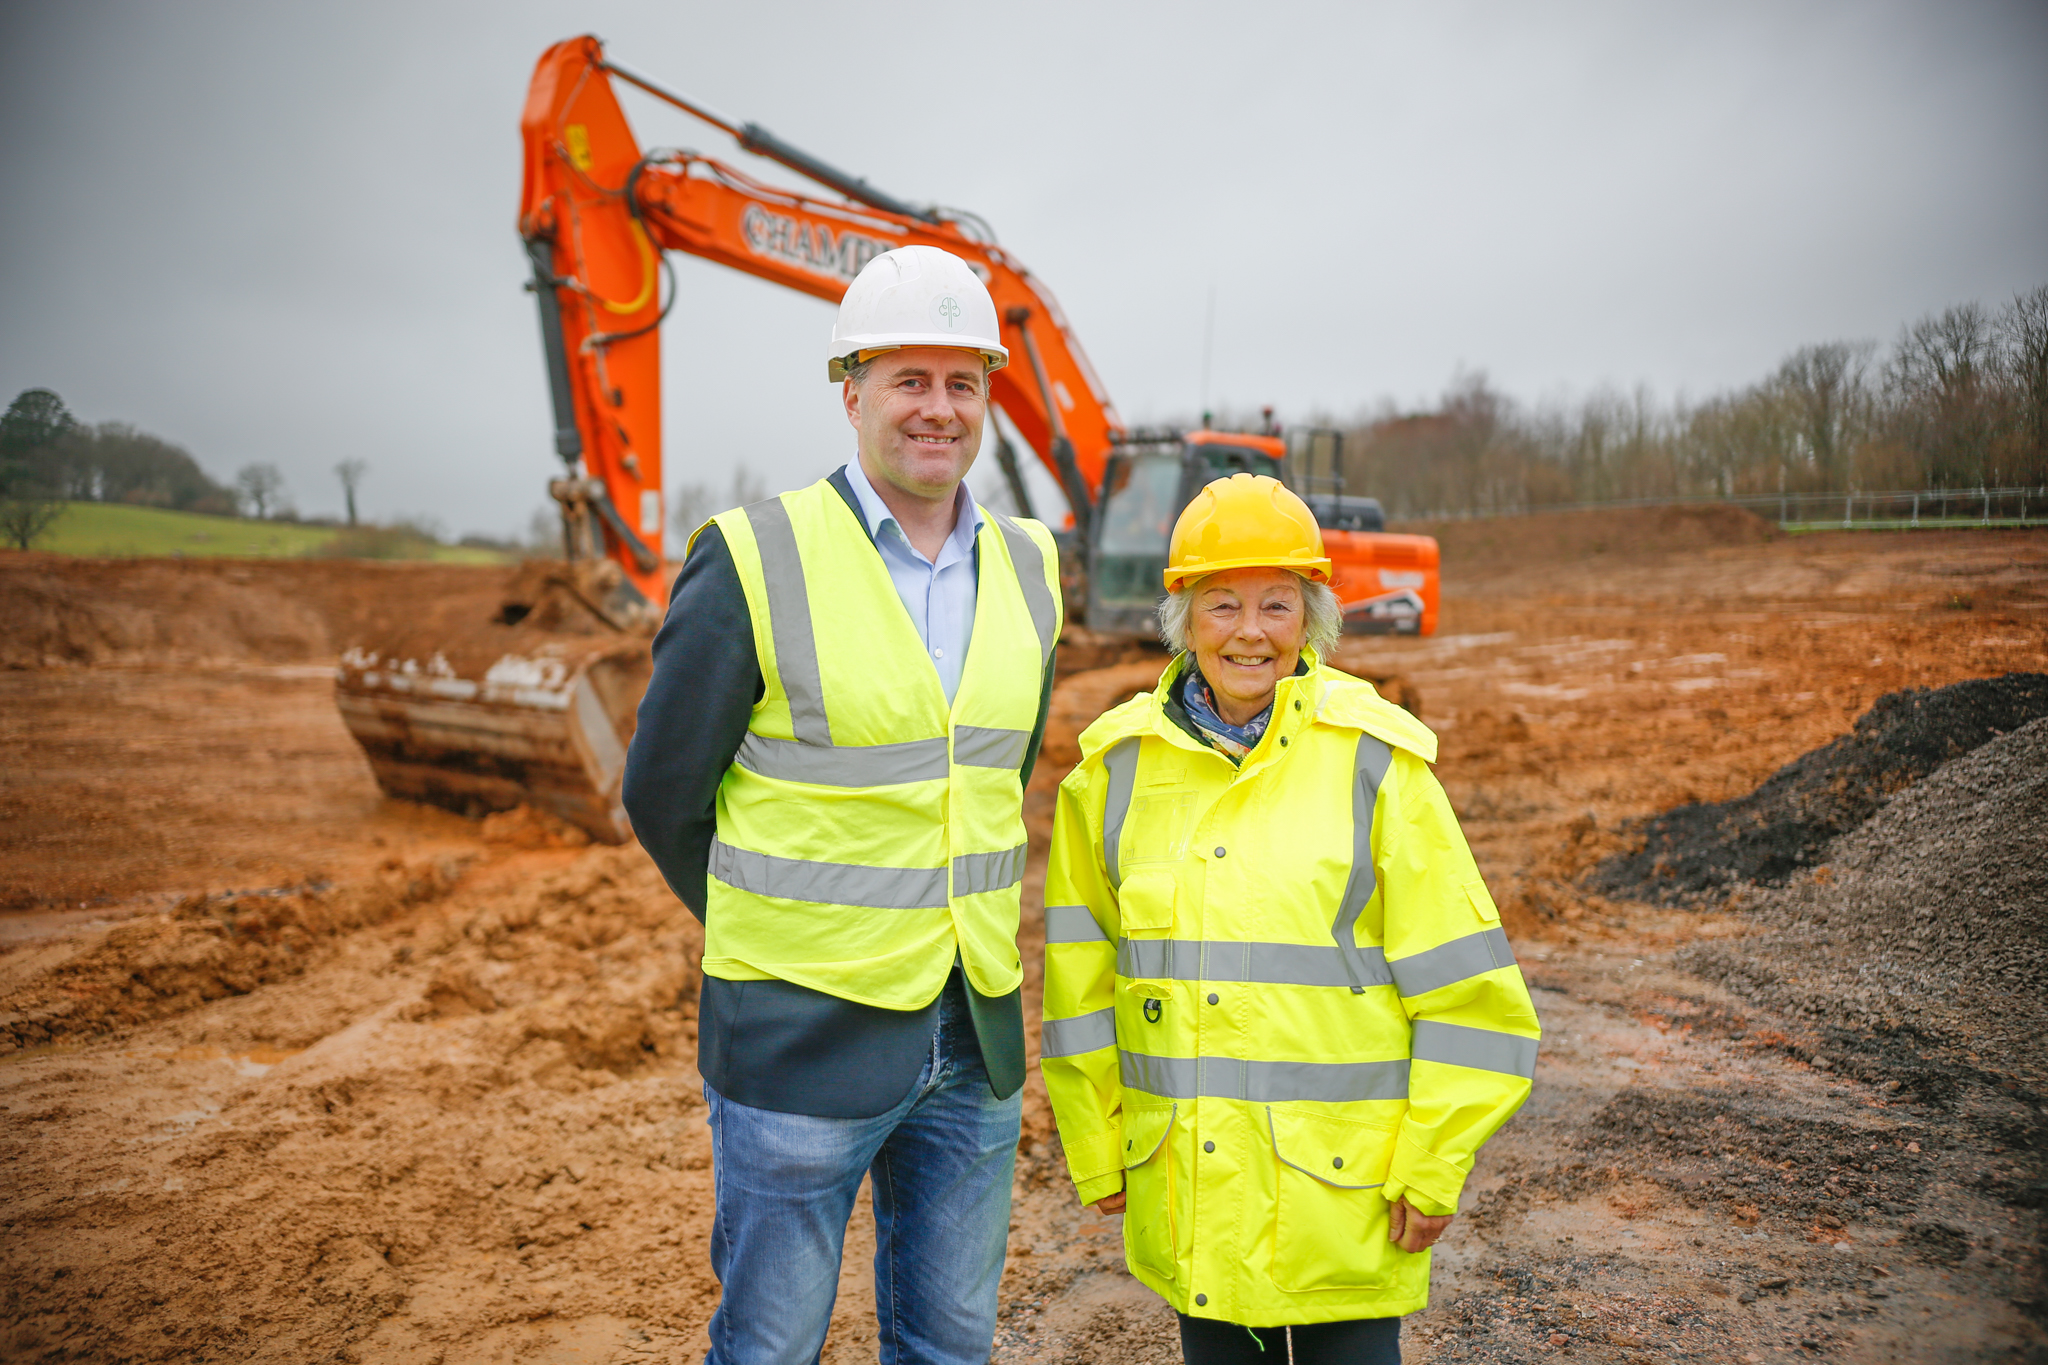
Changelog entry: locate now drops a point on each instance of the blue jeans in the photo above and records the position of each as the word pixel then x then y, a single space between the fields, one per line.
pixel 942 1162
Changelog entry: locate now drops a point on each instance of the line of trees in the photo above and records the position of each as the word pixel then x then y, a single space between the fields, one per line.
pixel 1959 400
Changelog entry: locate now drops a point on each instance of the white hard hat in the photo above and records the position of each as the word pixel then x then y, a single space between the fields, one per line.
pixel 915 296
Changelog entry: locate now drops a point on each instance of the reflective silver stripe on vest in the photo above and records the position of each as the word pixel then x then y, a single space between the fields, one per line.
pixel 1457 960
pixel 1030 563
pixel 1072 924
pixel 1373 759
pixel 1272 964
pixel 872 888
pixel 789 620
pixel 998 871
pixel 1229 1078
pixel 1121 763
pixel 976 746
pixel 844 765
pixel 1082 1033
pixel 1483 1049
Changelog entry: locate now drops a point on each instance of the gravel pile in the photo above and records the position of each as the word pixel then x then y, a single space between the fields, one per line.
pixel 1932 917
pixel 1700 852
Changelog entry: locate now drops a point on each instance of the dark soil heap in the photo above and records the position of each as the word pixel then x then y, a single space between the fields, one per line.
pixel 1932 918
pixel 1699 852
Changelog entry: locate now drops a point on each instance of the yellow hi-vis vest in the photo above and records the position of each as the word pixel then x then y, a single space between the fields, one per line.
pixel 866 830
pixel 1277 997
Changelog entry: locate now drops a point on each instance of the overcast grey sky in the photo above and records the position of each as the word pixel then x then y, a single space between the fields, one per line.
pixel 285 231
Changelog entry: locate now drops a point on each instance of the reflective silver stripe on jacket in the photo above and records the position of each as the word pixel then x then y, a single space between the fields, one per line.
pixel 789 620
pixel 1374 757
pixel 977 746
pixel 1458 960
pixel 1030 564
pixel 1072 924
pixel 1082 1033
pixel 1230 1078
pixel 1272 964
pixel 873 888
pixel 998 871
pixel 845 765
pixel 1483 1049
pixel 1121 763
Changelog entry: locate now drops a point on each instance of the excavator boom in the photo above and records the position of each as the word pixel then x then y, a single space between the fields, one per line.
pixel 538 704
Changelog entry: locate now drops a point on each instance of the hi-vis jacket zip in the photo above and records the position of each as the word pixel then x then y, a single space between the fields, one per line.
pixel 866 830
pixel 1277 997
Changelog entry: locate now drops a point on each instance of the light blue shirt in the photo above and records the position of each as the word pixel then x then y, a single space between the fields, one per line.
pixel 938 594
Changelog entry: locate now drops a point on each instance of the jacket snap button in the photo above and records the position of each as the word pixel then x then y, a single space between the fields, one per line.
pixel 1219 850
pixel 1212 997
pixel 1201 1300
pixel 1297 706
pixel 1283 741
pixel 1338 1162
pixel 1208 1146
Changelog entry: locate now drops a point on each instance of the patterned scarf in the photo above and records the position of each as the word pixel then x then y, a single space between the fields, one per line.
pixel 1235 741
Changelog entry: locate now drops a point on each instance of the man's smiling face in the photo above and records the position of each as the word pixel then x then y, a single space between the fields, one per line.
pixel 919 412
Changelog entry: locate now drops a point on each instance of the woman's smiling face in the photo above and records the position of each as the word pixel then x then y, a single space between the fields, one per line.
pixel 1247 626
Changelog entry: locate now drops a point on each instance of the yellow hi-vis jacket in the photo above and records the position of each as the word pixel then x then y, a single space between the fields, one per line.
pixel 1277 997
pixel 866 830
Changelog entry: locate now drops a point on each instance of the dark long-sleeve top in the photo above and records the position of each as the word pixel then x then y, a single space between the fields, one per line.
pixel 770 1044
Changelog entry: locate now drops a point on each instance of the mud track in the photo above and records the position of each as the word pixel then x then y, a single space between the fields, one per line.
pixel 294 1073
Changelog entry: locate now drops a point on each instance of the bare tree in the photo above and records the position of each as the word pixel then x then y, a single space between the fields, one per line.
pixel 351 472
pixel 693 504
pixel 2023 337
pixel 1826 387
pixel 261 486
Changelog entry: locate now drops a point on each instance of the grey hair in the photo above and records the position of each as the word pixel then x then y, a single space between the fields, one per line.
pixel 1319 603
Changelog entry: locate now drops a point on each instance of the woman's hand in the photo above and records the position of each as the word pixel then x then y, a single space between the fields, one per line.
pixel 1407 1229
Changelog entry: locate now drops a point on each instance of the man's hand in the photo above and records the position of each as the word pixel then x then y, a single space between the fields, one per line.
pixel 1407 1229
pixel 1113 1204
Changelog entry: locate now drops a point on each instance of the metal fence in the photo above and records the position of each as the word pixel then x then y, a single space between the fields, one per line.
pixel 1892 510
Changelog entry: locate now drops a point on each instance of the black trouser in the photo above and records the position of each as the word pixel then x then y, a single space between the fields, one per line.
pixel 1363 1341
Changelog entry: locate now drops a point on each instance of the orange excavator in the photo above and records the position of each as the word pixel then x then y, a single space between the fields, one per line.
pixel 537 704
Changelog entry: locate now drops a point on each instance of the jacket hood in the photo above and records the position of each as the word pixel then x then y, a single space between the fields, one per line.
pixel 1341 700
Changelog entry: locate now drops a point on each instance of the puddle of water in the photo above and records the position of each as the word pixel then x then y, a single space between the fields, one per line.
pixel 255 1061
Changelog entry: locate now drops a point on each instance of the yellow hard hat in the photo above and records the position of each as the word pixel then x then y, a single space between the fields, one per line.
pixel 1245 521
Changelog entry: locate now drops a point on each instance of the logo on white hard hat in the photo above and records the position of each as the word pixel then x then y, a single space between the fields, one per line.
pixel 947 312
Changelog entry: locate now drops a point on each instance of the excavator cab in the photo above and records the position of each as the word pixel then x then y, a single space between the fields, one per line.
pixel 1150 477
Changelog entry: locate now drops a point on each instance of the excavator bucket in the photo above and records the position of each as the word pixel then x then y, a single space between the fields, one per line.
pixel 535 707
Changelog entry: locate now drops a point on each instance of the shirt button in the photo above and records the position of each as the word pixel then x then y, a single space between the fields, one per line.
pixel 1201 1300
pixel 938 654
pixel 1219 850
pixel 1208 1146
pixel 1212 997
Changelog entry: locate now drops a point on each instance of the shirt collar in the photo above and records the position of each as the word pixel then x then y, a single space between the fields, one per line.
pixel 967 521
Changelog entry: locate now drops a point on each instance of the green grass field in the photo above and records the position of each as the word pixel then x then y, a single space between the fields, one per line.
pixel 116 530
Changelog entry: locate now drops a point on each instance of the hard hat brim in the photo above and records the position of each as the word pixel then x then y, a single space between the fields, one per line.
pixel 996 356
pixel 1315 570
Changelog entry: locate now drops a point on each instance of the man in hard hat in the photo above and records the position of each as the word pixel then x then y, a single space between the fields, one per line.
pixel 832 779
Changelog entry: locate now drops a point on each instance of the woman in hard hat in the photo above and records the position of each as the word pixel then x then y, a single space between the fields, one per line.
pixel 1280 1012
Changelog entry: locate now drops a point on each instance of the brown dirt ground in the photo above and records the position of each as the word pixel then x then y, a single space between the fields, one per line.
pixel 295 1073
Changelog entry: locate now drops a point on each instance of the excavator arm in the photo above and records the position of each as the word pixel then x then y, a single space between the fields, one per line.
pixel 538 704
pixel 597 213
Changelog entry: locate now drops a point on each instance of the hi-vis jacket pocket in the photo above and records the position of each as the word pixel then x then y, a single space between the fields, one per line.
pixel 1145 903
pixel 1150 1219
pixel 1481 902
pixel 1330 1222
